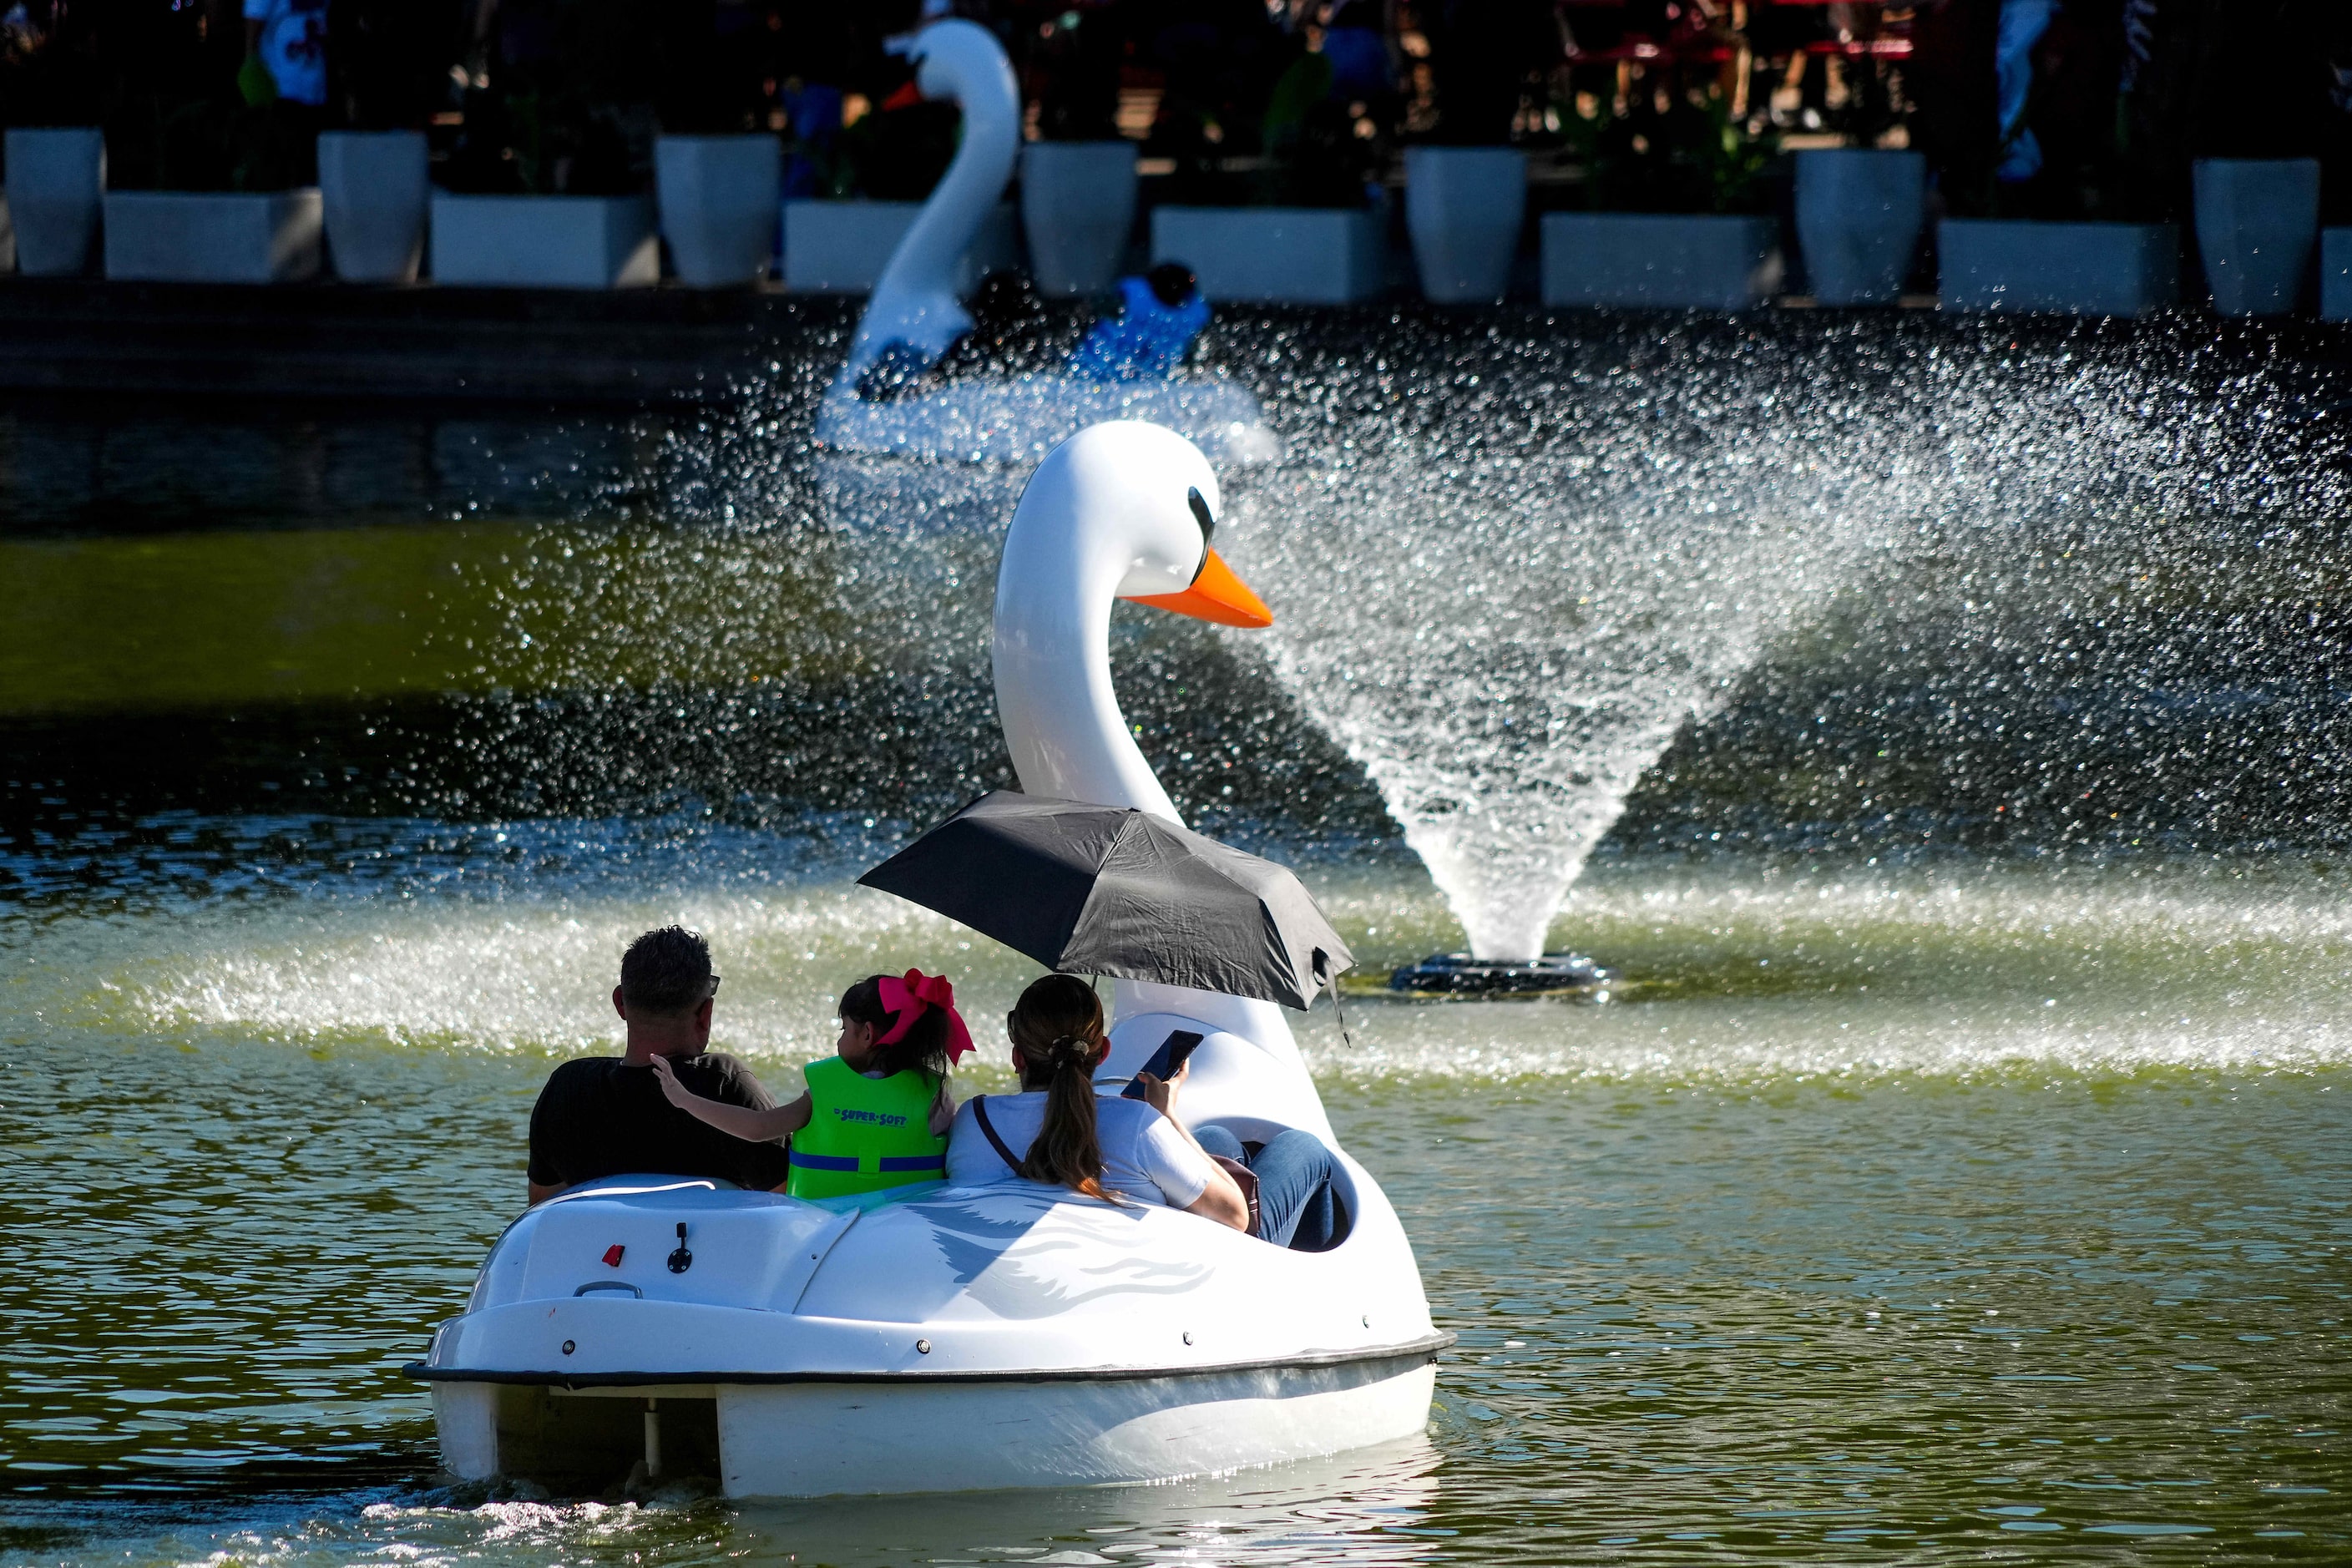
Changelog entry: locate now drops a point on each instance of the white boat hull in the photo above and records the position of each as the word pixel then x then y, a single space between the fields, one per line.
pixel 959 1338
pixel 825 1439
pixel 814 1440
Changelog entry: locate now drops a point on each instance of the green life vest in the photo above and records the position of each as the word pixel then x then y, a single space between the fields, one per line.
pixel 866 1133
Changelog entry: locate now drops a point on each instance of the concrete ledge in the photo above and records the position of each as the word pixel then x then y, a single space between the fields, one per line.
pixel 841 247
pixel 545 242
pixel 213 236
pixel 1287 256
pixel 1696 261
pixel 624 347
pixel 2336 275
pixel 2074 268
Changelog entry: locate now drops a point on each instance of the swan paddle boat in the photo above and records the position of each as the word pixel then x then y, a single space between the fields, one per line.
pixel 1013 1335
pixel 885 455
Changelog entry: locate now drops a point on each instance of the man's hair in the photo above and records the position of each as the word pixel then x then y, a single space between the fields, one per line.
pixel 667 971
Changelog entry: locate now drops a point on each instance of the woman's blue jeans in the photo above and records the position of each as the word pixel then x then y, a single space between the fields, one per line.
pixel 1296 1206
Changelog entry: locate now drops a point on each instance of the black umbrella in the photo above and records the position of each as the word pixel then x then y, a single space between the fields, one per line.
pixel 1095 889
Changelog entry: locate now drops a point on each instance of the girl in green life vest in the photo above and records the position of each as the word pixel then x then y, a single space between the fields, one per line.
pixel 877 1112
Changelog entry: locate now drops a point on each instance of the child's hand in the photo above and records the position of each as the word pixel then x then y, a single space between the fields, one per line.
pixel 676 1093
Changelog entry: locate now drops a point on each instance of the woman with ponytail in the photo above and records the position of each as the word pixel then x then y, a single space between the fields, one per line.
pixel 1056 1131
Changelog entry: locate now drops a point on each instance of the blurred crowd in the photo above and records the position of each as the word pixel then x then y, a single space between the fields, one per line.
pixel 2033 108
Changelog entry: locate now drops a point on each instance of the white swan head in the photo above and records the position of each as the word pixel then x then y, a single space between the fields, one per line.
pixel 1119 511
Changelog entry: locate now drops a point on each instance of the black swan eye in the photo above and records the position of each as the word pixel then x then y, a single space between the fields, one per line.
pixel 1200 514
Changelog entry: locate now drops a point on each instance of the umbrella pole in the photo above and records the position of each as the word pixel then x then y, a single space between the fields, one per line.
pixel 1323 972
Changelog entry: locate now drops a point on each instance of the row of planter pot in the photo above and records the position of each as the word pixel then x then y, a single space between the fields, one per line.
pixel 717 207
pixel 1858 217
pixel 1859 214
pixel 1858 220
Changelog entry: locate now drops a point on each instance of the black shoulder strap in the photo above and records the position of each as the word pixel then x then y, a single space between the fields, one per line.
pixel 980 1114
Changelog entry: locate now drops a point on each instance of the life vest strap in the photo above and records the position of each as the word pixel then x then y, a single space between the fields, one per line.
pixel 824 1161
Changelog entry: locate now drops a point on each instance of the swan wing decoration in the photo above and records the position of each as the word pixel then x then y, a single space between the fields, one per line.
pixel 914 312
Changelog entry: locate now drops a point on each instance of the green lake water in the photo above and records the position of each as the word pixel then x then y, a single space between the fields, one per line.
pixel 1960 1171
pixel 2024 1212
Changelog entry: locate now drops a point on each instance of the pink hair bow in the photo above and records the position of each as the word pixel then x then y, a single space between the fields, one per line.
pixel 910 998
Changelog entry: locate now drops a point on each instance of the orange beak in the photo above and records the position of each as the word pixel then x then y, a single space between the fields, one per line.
pixel 1216 594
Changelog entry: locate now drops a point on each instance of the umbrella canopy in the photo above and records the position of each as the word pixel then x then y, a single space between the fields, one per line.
pixel 1096 889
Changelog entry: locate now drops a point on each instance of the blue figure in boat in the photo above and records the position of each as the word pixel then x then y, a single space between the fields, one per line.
pixel 990 379
pixel 1012 333
pixel 1164 316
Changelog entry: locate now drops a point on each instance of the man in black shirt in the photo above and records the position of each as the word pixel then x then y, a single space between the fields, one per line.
pixel 606 1116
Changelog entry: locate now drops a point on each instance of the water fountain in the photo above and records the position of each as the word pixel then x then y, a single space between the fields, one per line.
pixel 1507 614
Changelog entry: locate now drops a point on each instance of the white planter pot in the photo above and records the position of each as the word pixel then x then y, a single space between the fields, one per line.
pixel 1077 210
pixel 373 186
pixel 1858 217
pixel 1696 261
pixel 718 198
pixel 1463 207
pixel 2257 220
pixel 1297 255
pixel 213 236
pixel 545 242
pixel 56 178
pixel 841 247
pixel 2072 268
pixel 2336 275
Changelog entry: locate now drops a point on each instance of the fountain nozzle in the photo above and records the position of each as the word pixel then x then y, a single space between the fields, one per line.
pixel 1460 974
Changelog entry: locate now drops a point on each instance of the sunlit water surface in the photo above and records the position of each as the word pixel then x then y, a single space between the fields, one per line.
pixel 1958 1171
pixel 1935 1212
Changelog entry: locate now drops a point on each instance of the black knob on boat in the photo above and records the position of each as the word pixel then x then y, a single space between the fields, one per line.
pixel 681 1260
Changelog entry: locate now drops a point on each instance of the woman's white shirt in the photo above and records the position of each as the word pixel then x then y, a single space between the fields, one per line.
pixel 1144 1156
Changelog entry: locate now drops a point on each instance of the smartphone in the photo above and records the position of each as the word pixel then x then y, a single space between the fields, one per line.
pixel 1167 1061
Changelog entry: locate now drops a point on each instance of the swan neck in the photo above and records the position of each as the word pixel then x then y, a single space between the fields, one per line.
pixel 1053 693
pixel 914 301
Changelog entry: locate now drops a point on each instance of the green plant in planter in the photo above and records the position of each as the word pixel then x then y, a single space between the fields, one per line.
pixel 575 118
pixel 1070 70
pixel 709 68
pixel 173 116
pixel 1220 66
pixel 49 69
pixel 897 154
pixel 1688 155
pixel 1314 156
pixel 387 62
pixel 1874 104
